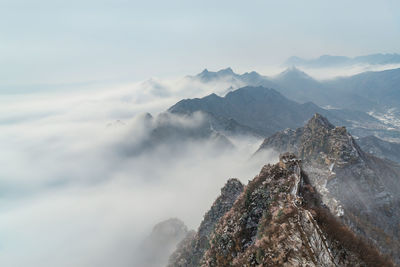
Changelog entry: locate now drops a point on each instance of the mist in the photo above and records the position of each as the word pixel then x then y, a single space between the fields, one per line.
pixel 72 196
pixel 80 187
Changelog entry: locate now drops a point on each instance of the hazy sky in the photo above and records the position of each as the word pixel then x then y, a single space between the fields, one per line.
pixel 57 42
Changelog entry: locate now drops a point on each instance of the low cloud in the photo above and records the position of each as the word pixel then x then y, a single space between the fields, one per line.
pixel 70 197
pixel 331 73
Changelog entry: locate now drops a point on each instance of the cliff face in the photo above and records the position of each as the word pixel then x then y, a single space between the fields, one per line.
pixel 191 250
pixel 279 220
pixel 357 187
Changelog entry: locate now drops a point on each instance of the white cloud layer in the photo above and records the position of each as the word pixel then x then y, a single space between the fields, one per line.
pixel 70 197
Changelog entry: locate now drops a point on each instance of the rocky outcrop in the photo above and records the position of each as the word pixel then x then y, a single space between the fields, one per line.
pixel 357 187
pixel 279 220
pixel 191 250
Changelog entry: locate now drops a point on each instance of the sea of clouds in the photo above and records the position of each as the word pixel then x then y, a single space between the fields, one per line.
pixel 70 195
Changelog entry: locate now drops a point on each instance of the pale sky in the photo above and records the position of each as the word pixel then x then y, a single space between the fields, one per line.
pixel 49 42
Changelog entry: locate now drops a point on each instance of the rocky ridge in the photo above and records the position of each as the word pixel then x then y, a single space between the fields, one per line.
pixel 357 187
pixel 263 111
pixel 279 220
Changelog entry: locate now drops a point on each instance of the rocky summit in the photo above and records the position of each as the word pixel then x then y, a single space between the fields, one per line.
pixel 280 220
pixel 357 187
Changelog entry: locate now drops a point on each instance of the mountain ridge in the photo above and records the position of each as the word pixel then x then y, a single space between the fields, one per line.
pixel 265 111
pixel 340 61
pixel 278 220
pixel 359 188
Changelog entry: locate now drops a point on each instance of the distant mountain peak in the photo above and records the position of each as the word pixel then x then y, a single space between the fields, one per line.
pixel 334 61
pixel 226 71
pixel 207 75
pixel 205 71
pixel 293 73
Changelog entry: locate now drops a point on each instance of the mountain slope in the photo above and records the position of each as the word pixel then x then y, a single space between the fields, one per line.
pixel 265 111
pixel 361 189
pixel 191 250
pixel 341 61
pixel 381 88
pixel 298 86
pixel 380 148
pixel 249 78
pixel 367 91
pixel 172 131
pixel 279 221
pixel 250 106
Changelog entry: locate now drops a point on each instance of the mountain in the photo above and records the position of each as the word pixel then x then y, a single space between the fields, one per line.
pixel 191 250
pixel 358 187
pixel 380 148
pixel 264 111
pixel 162 241
pixel 172 131
pixel 378 90
pixel 368 91
pixel 299 86
pixel 248 77
pixel 235 80
pixel 279 220
pixel 375 93
pixel 207 76
pixel 253 107
pixel 341 61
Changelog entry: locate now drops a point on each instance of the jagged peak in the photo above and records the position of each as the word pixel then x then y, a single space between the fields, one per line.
pixel 294 72
pixel 226 71
pixel 251 73
pixel 319 121
pixel 204 71
pixel 232 184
